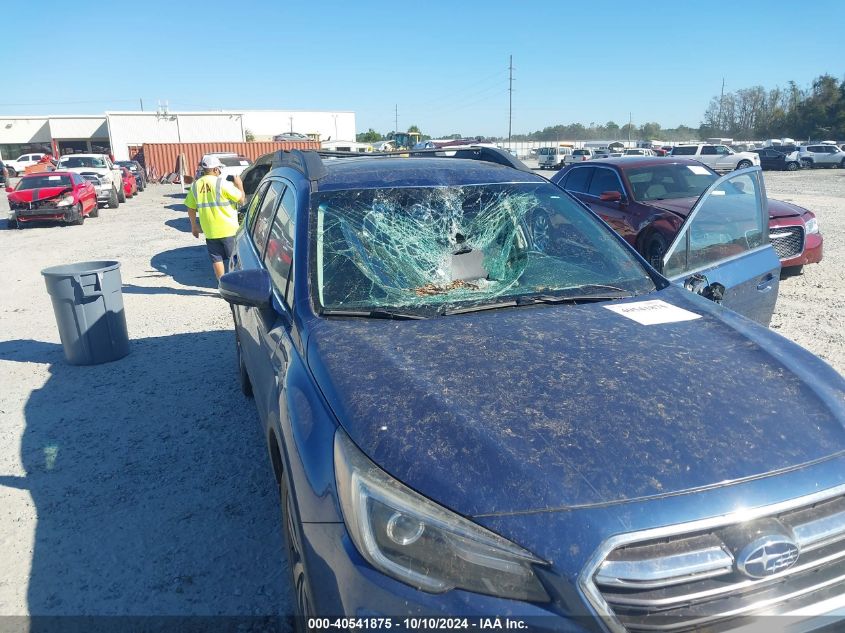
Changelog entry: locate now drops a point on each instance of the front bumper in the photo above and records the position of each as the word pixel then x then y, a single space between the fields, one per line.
pixel 46 213
pixel 813 247
pixel 103 192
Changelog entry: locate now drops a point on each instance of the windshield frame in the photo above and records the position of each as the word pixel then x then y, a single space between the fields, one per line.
pixel 650 280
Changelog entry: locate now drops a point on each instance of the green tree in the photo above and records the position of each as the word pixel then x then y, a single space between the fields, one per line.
pixel 249 137
pixel 370 136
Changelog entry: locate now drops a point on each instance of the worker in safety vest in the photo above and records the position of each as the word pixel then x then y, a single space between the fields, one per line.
pixel 217 201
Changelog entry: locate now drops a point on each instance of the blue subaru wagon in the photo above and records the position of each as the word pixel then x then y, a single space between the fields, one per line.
pixel 466 418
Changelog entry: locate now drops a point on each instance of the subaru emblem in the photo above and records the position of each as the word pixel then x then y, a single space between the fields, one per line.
pixel 767 555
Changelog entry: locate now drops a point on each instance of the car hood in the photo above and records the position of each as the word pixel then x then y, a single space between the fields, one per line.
pixel 781 209
pixel 44 193
pixel 683 206
pixel 551 407
pixel 100 171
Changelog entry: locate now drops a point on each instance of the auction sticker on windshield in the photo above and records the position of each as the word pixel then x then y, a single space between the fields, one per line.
pixel 697 170
pixel 653 312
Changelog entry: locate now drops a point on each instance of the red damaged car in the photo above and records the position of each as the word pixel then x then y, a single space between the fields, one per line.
pixel 130 185
pixel 647 199
pixel 58 195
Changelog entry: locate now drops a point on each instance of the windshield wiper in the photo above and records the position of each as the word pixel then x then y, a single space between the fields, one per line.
pixel 372 314
pixel 527 300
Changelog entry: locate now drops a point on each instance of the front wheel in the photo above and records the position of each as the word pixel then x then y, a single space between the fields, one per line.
pixel 743 164
pixel 12 172
pixel 114 201
pixel 654 251
pixel 243 376
pixel 793 166
pixel 303 605
pixel 121 195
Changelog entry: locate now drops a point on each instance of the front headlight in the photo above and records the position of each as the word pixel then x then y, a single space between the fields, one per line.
pixel 66 201
pixel 812 226
pixel 407 536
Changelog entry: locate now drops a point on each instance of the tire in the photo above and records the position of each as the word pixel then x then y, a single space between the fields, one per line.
pixel 792 166
pixel 243 376
pixel 141 187
pixel 95 212
pixel 743 164
pixel 121 195
pixel 806 163
pixel 80 217
pixel 302 603
pixel 114 201
pixel 791 271
pixel 12 172
pixel 654 250
pixel 541 231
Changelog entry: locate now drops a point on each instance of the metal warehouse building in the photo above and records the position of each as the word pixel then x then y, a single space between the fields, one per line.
pixel 121 133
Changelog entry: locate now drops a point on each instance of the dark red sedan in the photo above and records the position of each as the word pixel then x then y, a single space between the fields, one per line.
pixel 59 195
pixel 647 199
pixel 130 184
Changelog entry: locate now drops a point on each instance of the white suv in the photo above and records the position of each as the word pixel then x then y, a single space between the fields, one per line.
pixel 822 155
pixel 16 167
pixel 717 157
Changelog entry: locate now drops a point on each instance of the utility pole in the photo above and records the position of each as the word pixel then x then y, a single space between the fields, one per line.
pixel 721 102
pixel 510 100
pixel 630 125
pixel 141 99
pixel 396 120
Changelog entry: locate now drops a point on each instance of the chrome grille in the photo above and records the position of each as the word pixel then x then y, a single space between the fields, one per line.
pixel 691 581
pixel 788 241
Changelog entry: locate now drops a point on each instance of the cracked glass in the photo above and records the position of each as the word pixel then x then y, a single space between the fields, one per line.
pixel 431 249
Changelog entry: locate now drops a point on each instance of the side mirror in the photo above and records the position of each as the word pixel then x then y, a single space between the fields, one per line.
pixel 610 196
pixel 247 287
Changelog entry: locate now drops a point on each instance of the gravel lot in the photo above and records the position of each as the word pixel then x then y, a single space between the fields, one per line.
pixel 143 486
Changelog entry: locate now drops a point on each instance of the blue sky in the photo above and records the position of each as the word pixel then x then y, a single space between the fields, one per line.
pixel 443 63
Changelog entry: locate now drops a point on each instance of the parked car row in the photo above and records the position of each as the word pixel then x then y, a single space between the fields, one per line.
pixel 72 190
pixel 479 399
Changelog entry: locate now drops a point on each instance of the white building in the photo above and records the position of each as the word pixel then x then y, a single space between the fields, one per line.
pixel 118 132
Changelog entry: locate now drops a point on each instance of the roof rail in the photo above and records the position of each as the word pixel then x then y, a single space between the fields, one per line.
pixel 310 162
pixel 472 152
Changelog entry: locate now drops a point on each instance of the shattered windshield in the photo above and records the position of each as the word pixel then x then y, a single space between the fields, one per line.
pixel 433 249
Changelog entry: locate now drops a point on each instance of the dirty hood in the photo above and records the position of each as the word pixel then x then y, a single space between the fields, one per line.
pixel 683 206
pixel 557 406
pixel 33 195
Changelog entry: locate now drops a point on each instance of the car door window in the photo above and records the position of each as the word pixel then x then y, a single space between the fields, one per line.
pixel 578 179
pixel 729 221
pixel 278 257
pixel 722 150
pixel 708 150
pixel 264 220
pixel 604 180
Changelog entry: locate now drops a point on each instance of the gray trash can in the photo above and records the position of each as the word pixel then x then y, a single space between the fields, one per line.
pixel 88 304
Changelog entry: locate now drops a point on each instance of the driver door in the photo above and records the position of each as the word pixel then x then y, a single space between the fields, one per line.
pixel 722 250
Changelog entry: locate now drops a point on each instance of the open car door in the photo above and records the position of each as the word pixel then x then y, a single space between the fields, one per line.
pixel 722 251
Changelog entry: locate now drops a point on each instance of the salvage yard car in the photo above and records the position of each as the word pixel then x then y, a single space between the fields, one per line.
pixel 137 170
pixel 60 196
pixel 646 201
pixel 717 157
pixel 466 417
pixel 99 170
pixel 130 184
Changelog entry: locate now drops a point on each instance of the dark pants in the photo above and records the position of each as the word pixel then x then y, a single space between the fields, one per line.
pixel 220 249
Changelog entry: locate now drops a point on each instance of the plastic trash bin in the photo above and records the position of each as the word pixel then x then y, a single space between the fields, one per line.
pixel 88 305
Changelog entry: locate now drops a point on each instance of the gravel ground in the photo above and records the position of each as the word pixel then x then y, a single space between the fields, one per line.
pixel 142 487
pixel 139 487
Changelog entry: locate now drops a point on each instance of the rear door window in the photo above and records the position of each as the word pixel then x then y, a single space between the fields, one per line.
pixel 683 151
pixel 708 150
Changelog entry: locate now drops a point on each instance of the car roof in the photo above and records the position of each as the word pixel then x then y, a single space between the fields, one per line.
pixel 375 172
pixel 639 161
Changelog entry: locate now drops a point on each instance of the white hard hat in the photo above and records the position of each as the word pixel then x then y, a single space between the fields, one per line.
pixel 210 162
